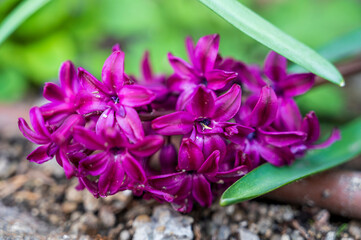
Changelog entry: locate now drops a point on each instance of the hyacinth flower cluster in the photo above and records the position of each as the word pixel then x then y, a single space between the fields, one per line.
pixel 182 138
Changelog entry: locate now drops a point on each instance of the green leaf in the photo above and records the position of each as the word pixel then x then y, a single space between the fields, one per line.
pixel 343 47
pixel 261 30
pixel 267 177
pixel 23 11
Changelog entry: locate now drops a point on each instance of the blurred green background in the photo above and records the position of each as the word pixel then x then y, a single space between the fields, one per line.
pixel 85 30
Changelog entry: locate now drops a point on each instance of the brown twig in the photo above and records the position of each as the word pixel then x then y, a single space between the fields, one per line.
pixel 339 191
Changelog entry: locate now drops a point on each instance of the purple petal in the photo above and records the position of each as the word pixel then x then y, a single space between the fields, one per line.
pixel 63 133
pixel 89 138
pixel 94 164
pixel 69 168
pixel 90 185
pixel 173 124
pixel 113 71
pixel 311 126
pixel 190 49
pixel 297 84
pixel 205 52
pixel 211 164
pixel 181 67
pixel 190 156
pixel 172 183
pixel 55 112
pixel 234 173
pixel 250 76
pixel 251 149
pixel 131 124
pixel 201 104
pixel 30 134
pixel 159 194
pixel 202 190
pixel 282 139
pixel 168 158
pixel 135 96
pixel 111 179
pixel 275 156
pixel 133 169
pixel 40 155
pixel 53 92
pixel 184 99
pixel 275 67
pixel 105 121
pixel 335 136
pixel 212 143
pixel 217 79
pixel 37 121
pixel 146 147
pixel 289 117
pixel 92 103
pixel 68 78
pixel 228 104
pixel 146 69
pixel 116 48
pixel 265 111
pixel 92 85
pixel 236 132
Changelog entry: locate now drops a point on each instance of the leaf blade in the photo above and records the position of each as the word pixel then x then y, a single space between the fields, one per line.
pixel 343 47
pixel 264 32
pixel 267 177
pixel 23 11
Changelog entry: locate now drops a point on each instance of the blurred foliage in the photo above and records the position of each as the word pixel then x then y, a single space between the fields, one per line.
pixel 85 30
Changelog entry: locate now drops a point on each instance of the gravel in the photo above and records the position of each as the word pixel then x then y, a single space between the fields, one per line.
pixel 42 204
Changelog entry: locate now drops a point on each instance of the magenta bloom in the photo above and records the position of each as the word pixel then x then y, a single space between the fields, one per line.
pixel 205 113
pixel 266 142
pixel 201 70
pixel 115 98
pixel 191 183
pixel 181 139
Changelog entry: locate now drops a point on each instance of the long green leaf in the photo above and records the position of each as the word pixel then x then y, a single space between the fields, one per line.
pixel 267 177
pixel 261 30
pixel 23 11
pixel 343 47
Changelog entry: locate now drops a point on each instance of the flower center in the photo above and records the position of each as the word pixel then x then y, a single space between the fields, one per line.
pixel 115 99
pixel 251 136
pixel 116 150
pixel 204 81
pixel 205 123
pixel 277 89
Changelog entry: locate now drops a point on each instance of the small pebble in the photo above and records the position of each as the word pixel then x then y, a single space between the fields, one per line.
pixel 107 216
pixel 330 236
pixel 246 234
pixel 69 207
pixel 91 204
pixel 124 235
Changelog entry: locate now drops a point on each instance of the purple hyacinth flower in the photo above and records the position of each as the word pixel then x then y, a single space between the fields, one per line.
pixel 205 112
pixel 266 142
pixel 191 183
pixel 311 126
pixel 286 85
pixel 115 98
pixel 155 83
pixel 168 158
pixel 50 141
pixel 115 160
pixel 65 99
pixel 201 70
pixel 275 69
